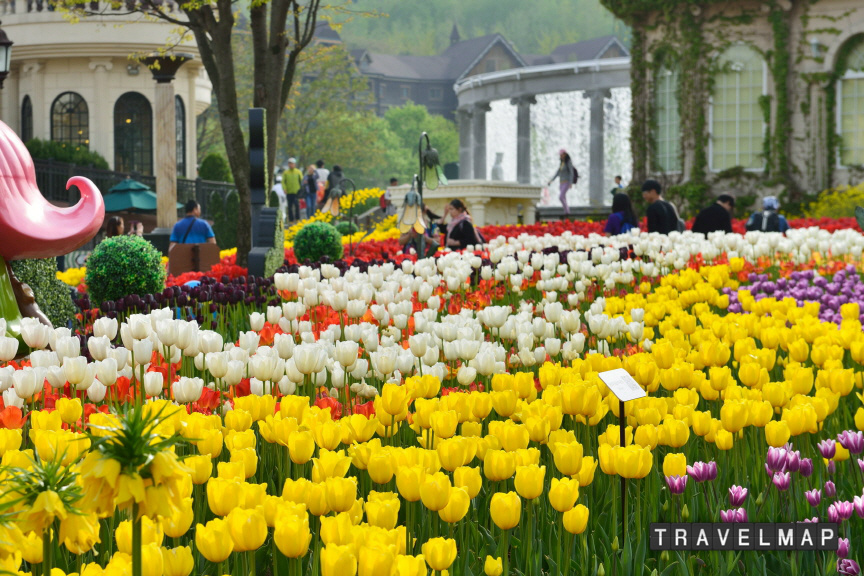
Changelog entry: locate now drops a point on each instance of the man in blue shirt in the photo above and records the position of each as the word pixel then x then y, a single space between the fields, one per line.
pixel 192 229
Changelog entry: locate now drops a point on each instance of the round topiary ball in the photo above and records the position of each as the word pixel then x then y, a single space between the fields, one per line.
pixel 346 228
pixel 318 239
pixel 121 266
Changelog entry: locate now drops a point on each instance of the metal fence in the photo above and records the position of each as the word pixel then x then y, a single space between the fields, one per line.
pixel 51 177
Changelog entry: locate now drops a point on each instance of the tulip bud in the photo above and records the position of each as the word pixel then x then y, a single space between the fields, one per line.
pixel 615 545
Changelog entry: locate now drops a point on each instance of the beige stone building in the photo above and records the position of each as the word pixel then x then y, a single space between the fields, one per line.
pixel 753 97
pixel 75 83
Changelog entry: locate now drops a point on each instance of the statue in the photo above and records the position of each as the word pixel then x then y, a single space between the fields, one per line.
pixel 31 227
pixel 498 168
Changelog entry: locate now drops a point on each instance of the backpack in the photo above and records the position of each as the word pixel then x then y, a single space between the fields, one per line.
pixel 679 224
pixel 626 227
pixel 768 221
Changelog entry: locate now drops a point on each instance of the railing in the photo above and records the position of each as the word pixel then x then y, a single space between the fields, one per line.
pixel 51 177
pixel 22 6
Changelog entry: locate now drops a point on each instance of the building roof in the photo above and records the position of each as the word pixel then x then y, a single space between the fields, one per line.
pixel 456 61
pixel 592 49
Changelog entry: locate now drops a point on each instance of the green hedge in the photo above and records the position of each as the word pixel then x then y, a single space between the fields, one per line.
pixel 53 296
pixel 63 152
pixel 121 266
pixel 316 240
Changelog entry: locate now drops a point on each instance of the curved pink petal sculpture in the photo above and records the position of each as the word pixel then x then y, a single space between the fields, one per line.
pixel 30 226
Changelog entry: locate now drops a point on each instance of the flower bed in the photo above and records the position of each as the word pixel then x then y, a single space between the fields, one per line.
pixel 445 414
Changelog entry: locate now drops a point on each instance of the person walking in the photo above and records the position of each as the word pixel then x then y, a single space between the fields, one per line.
pixel 310 190
pixel 280 193
pixel 192 229
pixel 622 219
pixel 662 216
pixel 768 220
pixel 292 181
pixel 567 177
pixel 618 186
pixel 717 217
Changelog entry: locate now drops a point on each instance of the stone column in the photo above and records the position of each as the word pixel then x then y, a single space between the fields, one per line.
pixel 101 126
pixel 466 145
pixel 163 69
pixel 41 112
pixel 191 134
pixel 530 215
pixel 477 207
pixel 12 100
pixel 479 130
pixel 523 137
pixel 596 158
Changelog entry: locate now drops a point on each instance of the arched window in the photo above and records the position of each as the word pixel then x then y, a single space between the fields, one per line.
pixel 133 134
pixel 737 122
pixel 668 135
pixel 850 108
pixel 26 119
pixel 180 124
pixel 70 120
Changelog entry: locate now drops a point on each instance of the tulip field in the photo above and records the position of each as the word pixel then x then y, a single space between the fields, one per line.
pixel 447 415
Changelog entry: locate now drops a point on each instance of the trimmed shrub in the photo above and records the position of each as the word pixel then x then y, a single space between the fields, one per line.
pixel 80 155
pixel 347 228
pixel 53 296
pixel 318 239
pixel 215 168
pixel 121 266
pixel 224 214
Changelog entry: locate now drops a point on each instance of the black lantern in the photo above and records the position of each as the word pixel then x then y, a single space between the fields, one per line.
pixel 5 56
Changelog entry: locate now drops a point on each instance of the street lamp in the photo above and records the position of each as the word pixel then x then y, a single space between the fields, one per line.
pixel 5 55
pixel 430 174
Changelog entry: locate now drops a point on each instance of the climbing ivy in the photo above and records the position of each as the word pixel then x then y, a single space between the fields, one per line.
pixel 693 33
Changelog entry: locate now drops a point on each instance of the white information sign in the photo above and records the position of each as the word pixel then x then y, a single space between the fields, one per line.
pixel 622 385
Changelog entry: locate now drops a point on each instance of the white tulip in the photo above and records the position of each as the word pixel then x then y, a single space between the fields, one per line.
pixel 484 362
pixel 236 372
pixel 284 345
pixel 238 354
pixel 539 355
pixel 187 336
pixel 262 367
pixel 106 371
pixel 249 341
pixel 434 302
pixel 346 352
pixel 287 387
pixel 153 383
pixel 142 351
pixel 28 381
pixel 97 391
pixel 552 345
pixel 188 389
pixel 6 378
pixel 11 398
pixel 637 314
pixel 217 364
pixel 274 314
pixel 8 348
pixel 139 326
pixel 466 375
pixel 258 387
pixel 256 321
pixel 166 331
pixel 430 358
pixel 337 377
pixel 106 327
pixel 309 358
pixel 67 347
pixel 291 371
pixel 210 341
pixel 35 334
pixel 98 346
pixel 361 368
pixel 75 369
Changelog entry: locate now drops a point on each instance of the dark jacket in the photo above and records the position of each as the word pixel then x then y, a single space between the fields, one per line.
pixel 714 218
pixel 661 217
pixel 310 184
pixel 333 181
pixel 566 173
pixel 466 235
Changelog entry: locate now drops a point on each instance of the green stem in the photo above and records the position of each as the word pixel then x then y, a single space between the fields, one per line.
pixel 136 542
pixel 46 553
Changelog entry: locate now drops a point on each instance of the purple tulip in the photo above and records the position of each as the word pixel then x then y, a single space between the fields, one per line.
pixel 782 480
pixel 852 441
pixel 677 484
pixel 702 472
pixel 830 489
pixel 858 504
pixel 844 509
pixel 793 461
pixel 814 497
pixel 842 547
pixel 848 567
pixel 806 467
pixel 737 496
pixel 861 464
pixel 832 467
pixel 775 461
pixel 828 448
pixel 734 515
pixel 814 520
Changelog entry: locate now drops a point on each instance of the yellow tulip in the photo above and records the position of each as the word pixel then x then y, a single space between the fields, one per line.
pixel 675 465
pixel 201 468
pixel 177 561
pixel 210 443
pixel 455 452
pixel 151 532
pixel 377 559
pixel 444 423
pixel 735 415
pixel 341 493
pixel 69 409
pixel 80 532
pixel 316 499
pixel 329 464
pixel 292 535
pixel 777 433
pixel 506 510
pixel 336 529
pixel 360 427
pixel 178 524
pixel 223 495
pixel 723 440
pixel 408 481
pixel 394 398
pixel 576 519
pixel 499 465
pixel 383 513
pixel 30 546
pixel 567 457
pixel 586 472
pixel 469 479
pixel 563 494
pixel 248 529
pixel 380 466
pixel 410 566
pixel 248 458
pixel 214 540
pixel 529 481
pixel 440 553
pixel 435 491
pixel 301 446
pixel 457 506
pixel 493 566
pixel 338 561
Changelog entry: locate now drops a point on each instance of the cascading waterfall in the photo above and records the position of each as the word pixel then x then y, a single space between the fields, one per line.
pixel 562 120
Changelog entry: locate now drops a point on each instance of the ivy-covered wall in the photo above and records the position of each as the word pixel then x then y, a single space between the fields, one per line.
pixel 800 147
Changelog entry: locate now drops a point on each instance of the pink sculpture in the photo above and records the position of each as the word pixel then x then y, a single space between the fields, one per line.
pixel 31 227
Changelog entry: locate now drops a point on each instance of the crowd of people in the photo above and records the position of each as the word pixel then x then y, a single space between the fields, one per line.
pixel 314 186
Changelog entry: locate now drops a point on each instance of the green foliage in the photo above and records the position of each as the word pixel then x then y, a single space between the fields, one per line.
pixel 691 197
pixel 318 239
pixel 124 265
pixel 409 121
pixel 276 256
pixel 52 295
pixel 836 203
pixel 273 199
pixel 424 27
pixel 80 155
pixel 215 168
pixel 224 212
pixel 346 228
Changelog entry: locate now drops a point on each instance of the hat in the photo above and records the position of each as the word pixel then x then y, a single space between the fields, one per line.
pixel 770 203
pixel 562 151
pixel 292 160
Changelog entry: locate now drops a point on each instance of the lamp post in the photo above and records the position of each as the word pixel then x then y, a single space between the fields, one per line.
pixel 5 55
pixel 163 68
